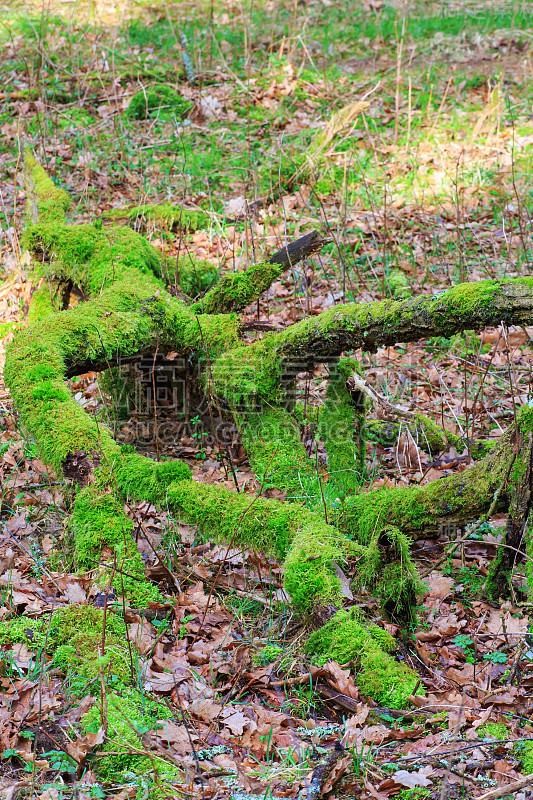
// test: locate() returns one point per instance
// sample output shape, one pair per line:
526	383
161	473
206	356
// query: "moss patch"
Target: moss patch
272	441
129	716
72	636
342	429
159	98
165	214
345	639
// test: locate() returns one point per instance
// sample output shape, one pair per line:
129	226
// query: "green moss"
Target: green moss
258	523
417	793
248	377
45	301
382	638
398	283
388	570
158	98
498	582
310	567
72	636
345	639
527	757
98	522
342	429
140	477
93	257
76	633
432	438
129	717
272	442
5	328
426	433
482	448
466	298
30	631
46	201
167	215
195	276
237	290
419	508
494	730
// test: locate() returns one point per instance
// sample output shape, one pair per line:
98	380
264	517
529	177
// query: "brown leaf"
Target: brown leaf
439	586
205	709
237	722
142	636
374	792
177	736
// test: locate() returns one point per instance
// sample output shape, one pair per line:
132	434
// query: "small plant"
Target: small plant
161	624
183	627
268	740
269	653
465	643
361	757
305	700
95	790
496	658
198	435
60	761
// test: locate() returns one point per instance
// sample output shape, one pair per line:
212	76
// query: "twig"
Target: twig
355	381
471	746
455	734
508	789
155	399
322	770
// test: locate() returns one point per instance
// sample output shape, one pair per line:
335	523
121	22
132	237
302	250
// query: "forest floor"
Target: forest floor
432	177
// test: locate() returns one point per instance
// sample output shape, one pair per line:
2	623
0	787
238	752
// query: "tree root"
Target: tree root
129	312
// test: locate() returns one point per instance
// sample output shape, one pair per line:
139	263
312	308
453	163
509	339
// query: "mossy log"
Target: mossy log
127	312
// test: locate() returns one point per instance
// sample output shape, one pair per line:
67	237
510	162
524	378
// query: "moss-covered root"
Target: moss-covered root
390	573
235	291
415	509
47	299
342	429
101	531
310	546
467	306
429	436
499	580
367	649
45	201
271	439
103	543
172	218
93	257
